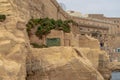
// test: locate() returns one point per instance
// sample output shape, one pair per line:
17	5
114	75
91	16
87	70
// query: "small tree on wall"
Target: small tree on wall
45	25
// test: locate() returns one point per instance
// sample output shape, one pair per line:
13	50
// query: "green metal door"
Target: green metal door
53	42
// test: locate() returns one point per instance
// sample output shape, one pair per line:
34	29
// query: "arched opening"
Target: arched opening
101	44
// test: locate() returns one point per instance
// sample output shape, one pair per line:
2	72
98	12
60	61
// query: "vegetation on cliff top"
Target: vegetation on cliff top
2	17
45	25
35	45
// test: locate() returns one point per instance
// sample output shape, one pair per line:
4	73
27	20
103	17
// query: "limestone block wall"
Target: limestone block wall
56	34
75	29
67	39
86	41
97	24
114	20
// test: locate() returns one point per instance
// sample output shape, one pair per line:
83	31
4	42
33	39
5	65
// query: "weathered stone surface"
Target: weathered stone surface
88	42
9	69
93	55
12	56
60	63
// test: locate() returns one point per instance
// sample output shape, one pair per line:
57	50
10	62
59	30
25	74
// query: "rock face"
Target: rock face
60	63
24	10
14	44
13	50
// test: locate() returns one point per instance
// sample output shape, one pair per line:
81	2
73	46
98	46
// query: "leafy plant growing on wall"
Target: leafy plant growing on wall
45	25
2	17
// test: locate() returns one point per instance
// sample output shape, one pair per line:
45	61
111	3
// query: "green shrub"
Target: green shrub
45	25
35	45
2	18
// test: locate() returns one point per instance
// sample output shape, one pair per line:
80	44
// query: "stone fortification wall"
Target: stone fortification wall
14	43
